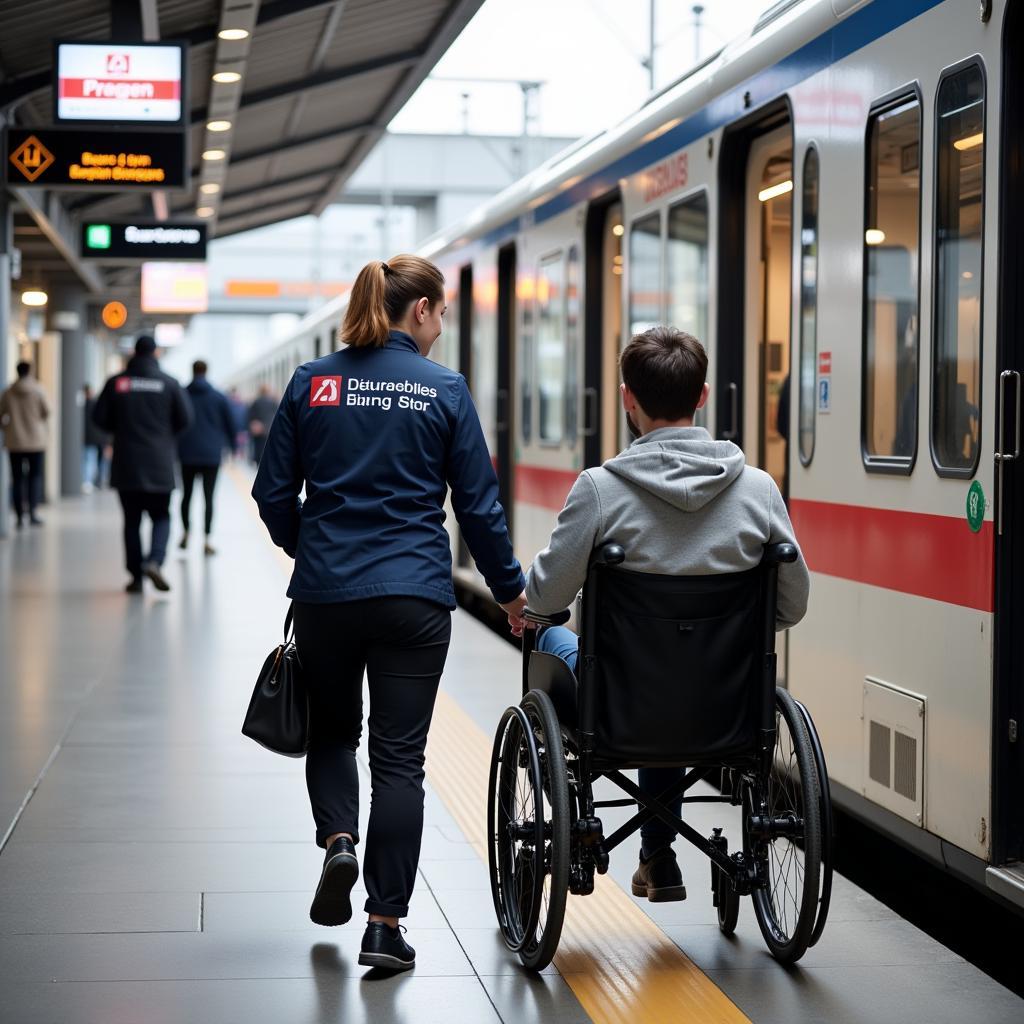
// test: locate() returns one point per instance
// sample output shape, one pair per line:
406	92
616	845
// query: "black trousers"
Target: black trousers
158	508
26	477
188	479
402	643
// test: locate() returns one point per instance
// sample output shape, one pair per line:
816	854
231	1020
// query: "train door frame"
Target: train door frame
465	356
594	283
506	375
1008	699
733	162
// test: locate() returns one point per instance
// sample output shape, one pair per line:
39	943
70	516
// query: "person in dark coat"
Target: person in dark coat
201	447
260	415
144	409
94	447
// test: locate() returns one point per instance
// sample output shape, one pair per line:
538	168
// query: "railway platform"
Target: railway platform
157	866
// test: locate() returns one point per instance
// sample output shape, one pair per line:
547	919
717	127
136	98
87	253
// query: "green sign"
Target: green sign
97	236
975	506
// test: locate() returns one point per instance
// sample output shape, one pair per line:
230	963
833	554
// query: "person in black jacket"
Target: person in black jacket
201	446
377	434
144	409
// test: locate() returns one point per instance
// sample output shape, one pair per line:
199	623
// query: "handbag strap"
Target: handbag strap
289	625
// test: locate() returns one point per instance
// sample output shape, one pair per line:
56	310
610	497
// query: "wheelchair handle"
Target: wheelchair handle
554	619
776	554
608	553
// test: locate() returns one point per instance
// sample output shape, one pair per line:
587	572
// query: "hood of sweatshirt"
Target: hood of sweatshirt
683	466
199	386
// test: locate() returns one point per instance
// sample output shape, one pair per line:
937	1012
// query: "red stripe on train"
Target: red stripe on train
537	485
912	552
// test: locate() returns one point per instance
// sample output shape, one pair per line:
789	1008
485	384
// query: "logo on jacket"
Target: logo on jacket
324	391
123	384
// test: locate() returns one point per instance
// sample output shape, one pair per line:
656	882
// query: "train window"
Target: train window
572	339
645	273
892	243
526	293
959	194
808	305
551	349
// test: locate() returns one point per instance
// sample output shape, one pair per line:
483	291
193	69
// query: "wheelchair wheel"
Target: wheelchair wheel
728	903
789	851
528	815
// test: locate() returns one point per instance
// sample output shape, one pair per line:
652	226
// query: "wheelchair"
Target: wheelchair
672	671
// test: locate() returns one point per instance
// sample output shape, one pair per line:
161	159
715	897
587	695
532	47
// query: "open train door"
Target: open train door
1008	695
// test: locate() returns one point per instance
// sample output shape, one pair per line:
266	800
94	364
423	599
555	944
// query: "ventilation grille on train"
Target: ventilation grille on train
894	739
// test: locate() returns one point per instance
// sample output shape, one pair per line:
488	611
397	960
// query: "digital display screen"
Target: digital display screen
174	288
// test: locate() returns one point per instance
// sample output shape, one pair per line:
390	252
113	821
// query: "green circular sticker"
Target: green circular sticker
975	506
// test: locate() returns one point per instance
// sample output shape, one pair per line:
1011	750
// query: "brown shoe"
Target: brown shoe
659	878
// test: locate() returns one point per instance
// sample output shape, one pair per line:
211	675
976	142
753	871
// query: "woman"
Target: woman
376	433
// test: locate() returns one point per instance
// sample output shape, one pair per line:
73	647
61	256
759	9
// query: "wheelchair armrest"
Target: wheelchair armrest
608	553
776	554
555	619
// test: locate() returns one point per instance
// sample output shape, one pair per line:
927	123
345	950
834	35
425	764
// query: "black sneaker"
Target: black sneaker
659	878
386	947
331	904
184	542
152	570
134	586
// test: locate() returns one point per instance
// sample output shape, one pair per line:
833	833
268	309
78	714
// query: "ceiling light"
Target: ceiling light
233	34
227	77
34	297
218	126
211	188
775	190
616	270
618	230
969	142
205	211
967	275
617	259
874	236
213	154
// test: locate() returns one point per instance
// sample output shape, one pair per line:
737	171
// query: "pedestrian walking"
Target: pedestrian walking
201	447
24	410
376	434
260	415
144	409
95	445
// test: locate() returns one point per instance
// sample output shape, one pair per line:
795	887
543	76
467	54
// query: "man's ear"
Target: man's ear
628	398
704	392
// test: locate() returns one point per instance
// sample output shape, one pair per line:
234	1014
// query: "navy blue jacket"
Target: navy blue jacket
376	436
212	429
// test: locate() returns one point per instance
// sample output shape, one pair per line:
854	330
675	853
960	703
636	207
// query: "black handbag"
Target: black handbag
278	715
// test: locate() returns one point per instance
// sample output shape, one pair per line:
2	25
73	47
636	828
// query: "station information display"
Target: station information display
117	82
95	158
174	288
143	240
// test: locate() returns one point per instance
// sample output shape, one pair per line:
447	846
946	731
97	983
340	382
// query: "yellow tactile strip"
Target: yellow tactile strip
620	965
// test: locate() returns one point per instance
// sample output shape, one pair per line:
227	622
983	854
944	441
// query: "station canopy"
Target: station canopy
319	83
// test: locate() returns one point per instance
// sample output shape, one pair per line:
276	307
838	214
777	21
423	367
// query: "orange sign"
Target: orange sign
114	315
31	158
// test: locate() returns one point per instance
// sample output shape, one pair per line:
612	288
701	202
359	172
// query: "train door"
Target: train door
601	414
465	364
1008	704
503	398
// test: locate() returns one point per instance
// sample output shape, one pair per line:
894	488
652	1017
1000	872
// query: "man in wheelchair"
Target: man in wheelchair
679	503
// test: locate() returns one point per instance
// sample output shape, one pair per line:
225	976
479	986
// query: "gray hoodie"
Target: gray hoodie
679	503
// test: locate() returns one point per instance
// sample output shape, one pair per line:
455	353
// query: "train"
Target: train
833	204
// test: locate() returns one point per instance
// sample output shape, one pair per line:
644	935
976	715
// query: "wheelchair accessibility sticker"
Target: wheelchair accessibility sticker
975	506
825	394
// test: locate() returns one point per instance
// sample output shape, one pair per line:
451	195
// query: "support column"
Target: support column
6	244
67	309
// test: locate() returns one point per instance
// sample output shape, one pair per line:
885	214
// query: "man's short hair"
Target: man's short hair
145	345
199	368
22	368
665	368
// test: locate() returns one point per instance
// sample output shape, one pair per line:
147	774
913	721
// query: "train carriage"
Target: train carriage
832	203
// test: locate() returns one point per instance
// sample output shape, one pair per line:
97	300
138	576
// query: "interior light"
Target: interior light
227	77
233	34
618	230
213	154
218	126
205	211
969	142
211	188
874	236
775	190
34	297
616	269
616	259
967	275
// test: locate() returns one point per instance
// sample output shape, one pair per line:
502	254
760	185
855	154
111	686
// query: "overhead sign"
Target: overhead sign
95	158
174	288
143	240
114	82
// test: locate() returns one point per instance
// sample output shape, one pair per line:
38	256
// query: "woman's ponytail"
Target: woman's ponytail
382	294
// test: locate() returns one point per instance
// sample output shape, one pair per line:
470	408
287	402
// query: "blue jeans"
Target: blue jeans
655	835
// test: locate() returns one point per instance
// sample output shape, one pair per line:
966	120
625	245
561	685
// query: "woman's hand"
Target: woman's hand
514	610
